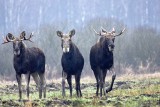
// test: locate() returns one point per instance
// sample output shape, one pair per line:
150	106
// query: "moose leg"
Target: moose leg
78	88
69	80
37	80
64	75
97	86
101	82
97	80
19	80
79	85
28	81
104	76
42	84
111	86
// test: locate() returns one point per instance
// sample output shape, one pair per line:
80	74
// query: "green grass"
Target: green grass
137	93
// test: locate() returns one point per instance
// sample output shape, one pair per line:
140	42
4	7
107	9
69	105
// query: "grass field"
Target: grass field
129	91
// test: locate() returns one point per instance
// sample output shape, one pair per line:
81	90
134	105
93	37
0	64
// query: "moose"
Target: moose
101	58
28	61
72	62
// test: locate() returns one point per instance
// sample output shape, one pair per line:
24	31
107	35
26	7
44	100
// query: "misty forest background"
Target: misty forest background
136	51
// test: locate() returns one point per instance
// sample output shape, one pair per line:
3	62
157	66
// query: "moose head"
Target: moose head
18	45
107	38
66	40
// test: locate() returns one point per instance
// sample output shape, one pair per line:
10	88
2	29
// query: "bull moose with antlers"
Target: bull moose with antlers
101	58
28	61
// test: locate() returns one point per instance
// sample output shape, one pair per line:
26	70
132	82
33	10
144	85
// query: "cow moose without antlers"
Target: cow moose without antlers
101	58
28	61
72	62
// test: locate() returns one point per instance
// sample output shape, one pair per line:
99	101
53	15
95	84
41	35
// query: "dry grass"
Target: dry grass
125	77
139	76
88	79
130	90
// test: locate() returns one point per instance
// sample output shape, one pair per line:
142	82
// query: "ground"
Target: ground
128	91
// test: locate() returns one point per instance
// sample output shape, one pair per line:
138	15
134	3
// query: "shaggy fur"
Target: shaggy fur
31	61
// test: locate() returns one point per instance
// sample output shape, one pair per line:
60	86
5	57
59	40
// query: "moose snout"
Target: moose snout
16	52
66	49
111	47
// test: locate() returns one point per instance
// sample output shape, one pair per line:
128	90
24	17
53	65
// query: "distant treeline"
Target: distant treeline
137	50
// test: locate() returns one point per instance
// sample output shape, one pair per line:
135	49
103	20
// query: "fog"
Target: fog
136	51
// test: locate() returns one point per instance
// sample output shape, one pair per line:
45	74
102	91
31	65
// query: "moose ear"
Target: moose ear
22	35
59	33
72	32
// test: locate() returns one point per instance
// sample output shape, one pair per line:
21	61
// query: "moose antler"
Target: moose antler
4	40
29	39
113	30
9	38
96	32
103	30
120	32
